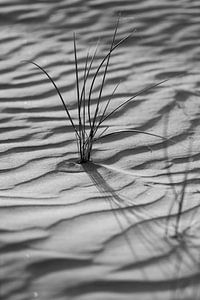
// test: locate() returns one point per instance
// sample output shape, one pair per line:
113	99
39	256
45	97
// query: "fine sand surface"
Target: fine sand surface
103	230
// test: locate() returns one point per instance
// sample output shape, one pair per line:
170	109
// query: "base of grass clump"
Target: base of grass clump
88	129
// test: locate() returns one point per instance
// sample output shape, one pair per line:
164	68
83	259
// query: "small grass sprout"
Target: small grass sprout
89	126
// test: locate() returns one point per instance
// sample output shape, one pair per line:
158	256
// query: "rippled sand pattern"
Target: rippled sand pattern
103	230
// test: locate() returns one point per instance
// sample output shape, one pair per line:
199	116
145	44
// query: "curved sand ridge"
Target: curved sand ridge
101	230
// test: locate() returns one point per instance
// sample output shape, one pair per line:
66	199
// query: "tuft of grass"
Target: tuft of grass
89	129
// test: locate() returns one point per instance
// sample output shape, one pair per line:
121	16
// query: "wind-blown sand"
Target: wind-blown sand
102	230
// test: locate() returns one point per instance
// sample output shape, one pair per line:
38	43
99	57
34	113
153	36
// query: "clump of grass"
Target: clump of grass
89	129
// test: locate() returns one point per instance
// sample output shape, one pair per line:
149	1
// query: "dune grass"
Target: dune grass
91	113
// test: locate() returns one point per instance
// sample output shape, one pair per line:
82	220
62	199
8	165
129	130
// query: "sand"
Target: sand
105	229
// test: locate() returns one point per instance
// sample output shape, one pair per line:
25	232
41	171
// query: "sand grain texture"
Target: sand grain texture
98	231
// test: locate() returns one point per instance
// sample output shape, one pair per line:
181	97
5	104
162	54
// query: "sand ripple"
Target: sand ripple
98	231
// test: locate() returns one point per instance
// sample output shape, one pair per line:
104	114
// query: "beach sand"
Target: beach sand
106	229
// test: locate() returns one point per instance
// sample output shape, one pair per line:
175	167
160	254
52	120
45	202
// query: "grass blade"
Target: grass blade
88	72
106	107
133	130
58	92
131	98
104	74
83	98
97	72
78	95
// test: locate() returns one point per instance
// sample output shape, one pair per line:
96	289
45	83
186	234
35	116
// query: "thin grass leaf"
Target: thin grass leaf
78	94
76	70
132	130
97	72
104	74
88	71
58	92
131	98
103	132
83	98
106	107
